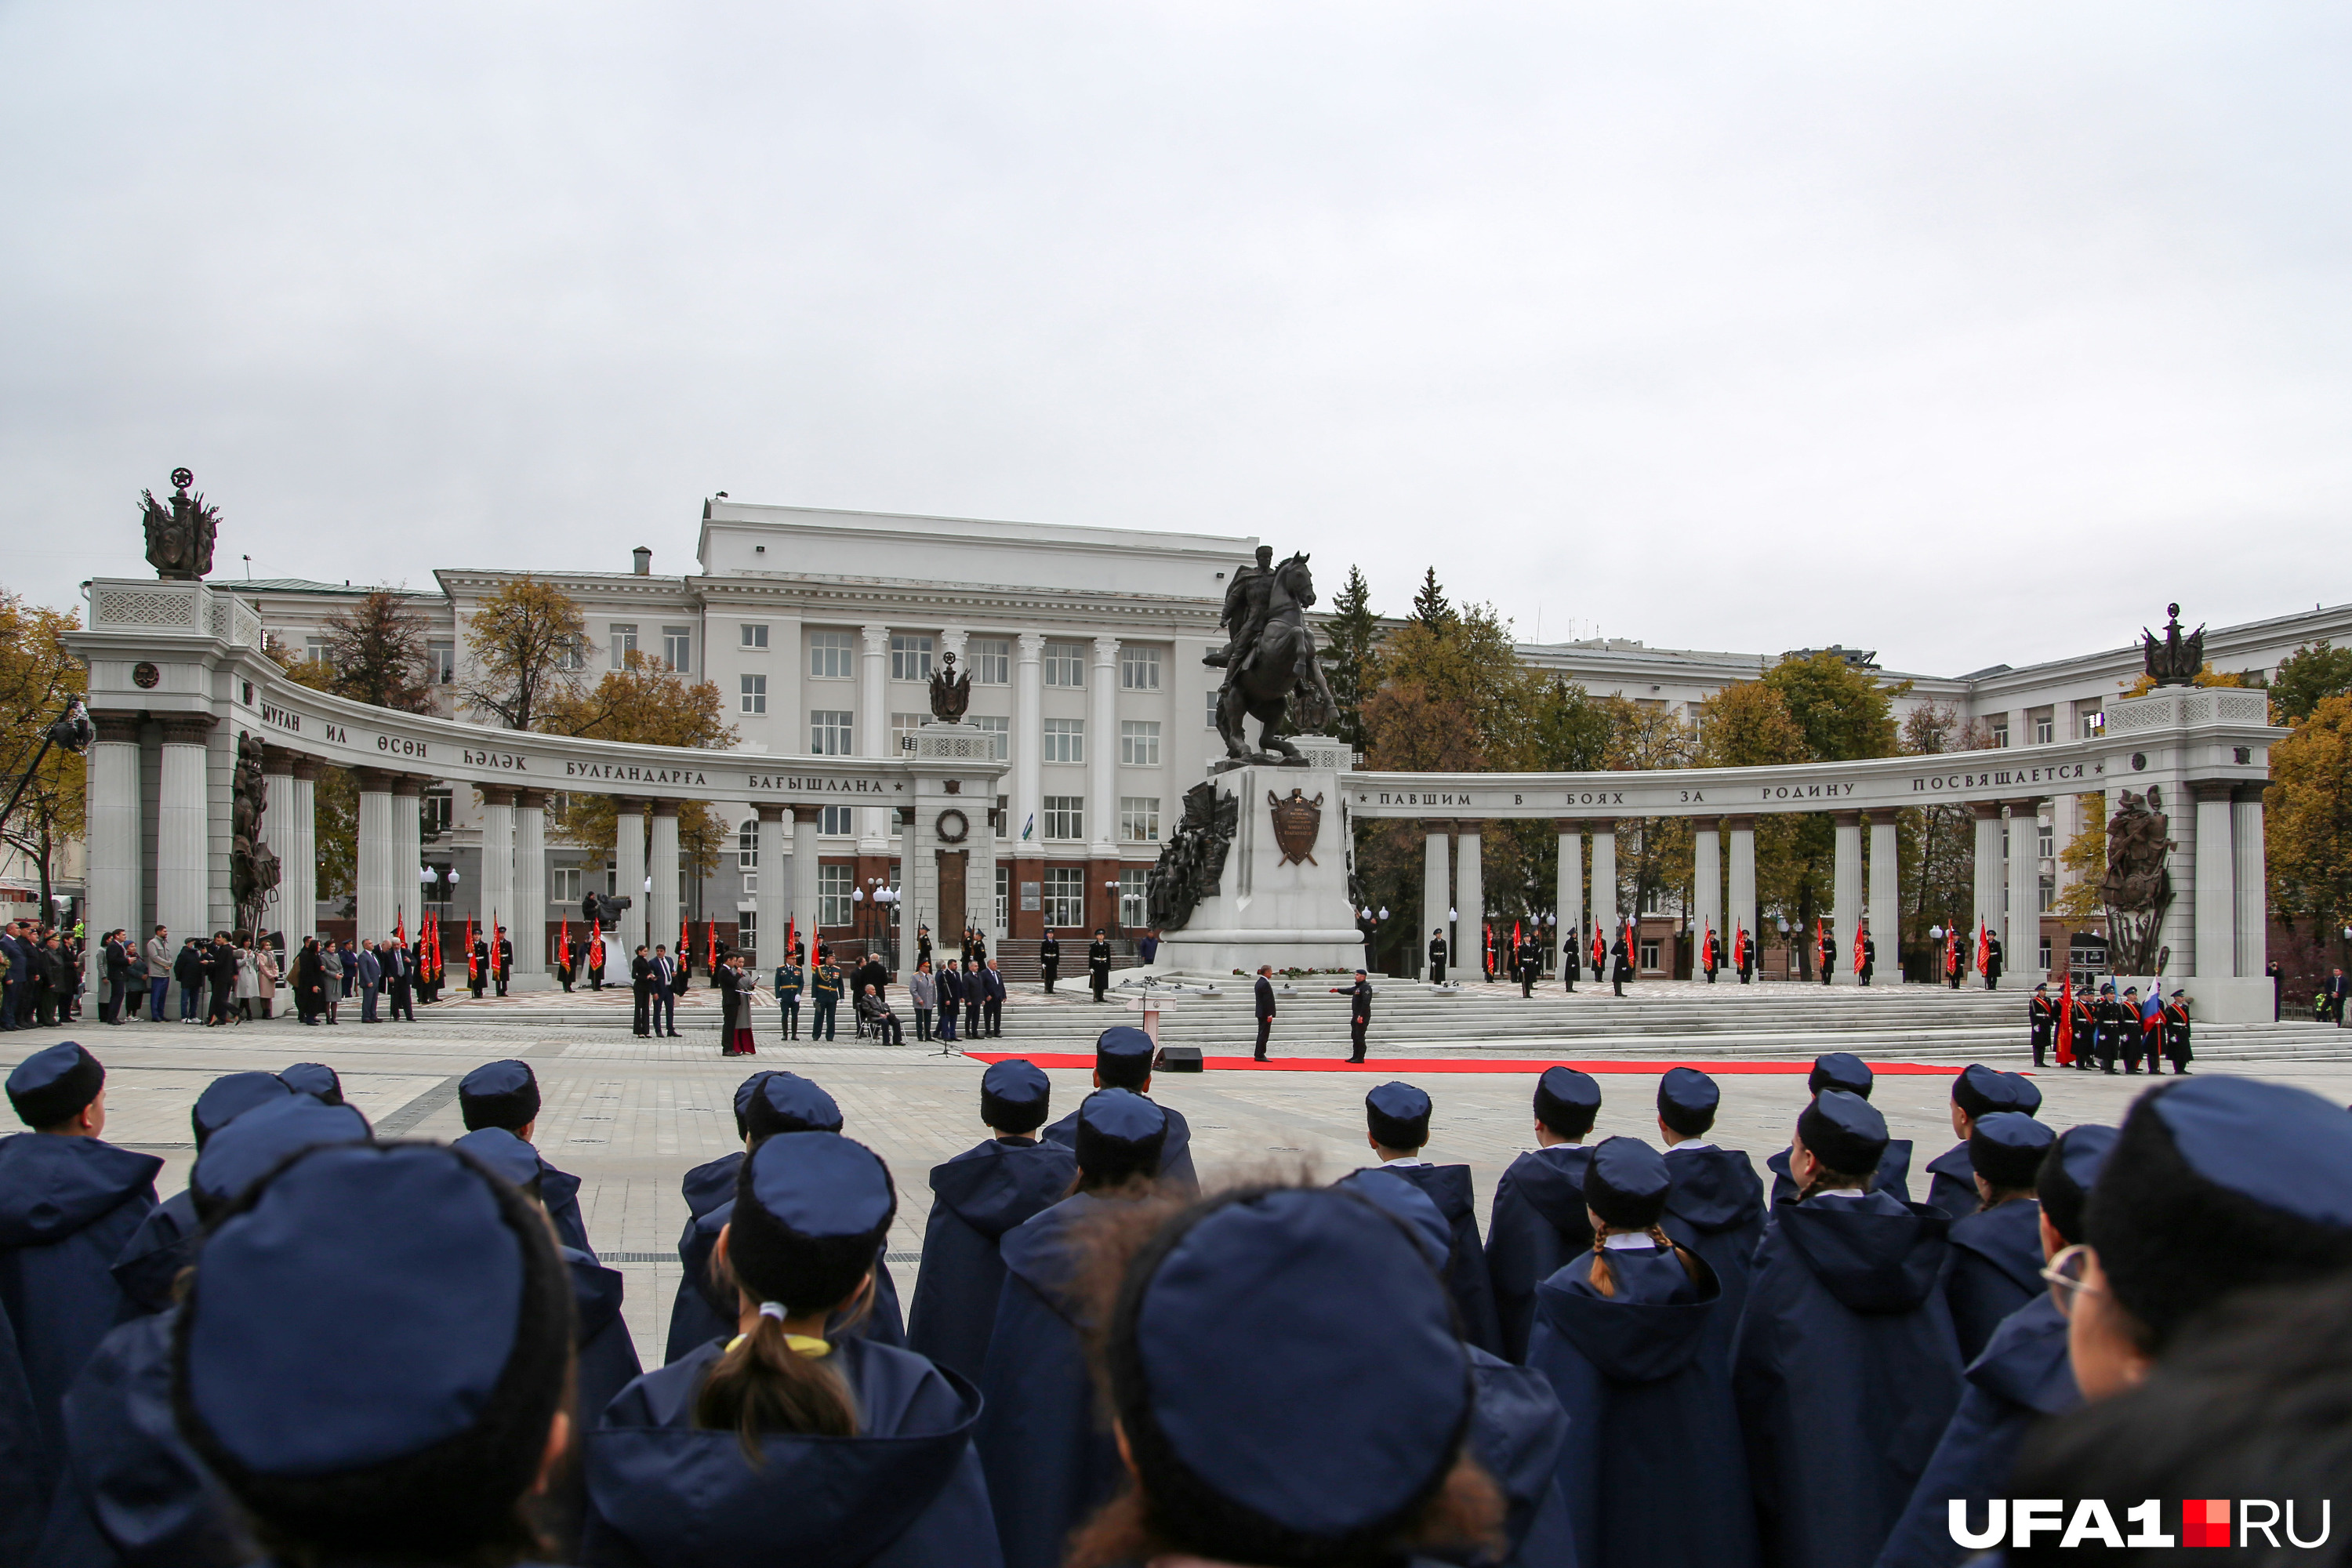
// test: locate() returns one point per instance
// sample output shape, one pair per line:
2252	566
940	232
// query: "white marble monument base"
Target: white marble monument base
1294	914
2223	1000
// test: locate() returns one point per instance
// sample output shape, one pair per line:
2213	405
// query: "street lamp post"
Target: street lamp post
1110	891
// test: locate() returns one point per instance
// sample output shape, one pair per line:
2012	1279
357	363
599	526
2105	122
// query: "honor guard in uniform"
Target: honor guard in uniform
505	957
479	976
1743	955
2041	1019
1438	952
563	962
1360	1015
2176	1035
1571	959
1828	953
1710	955
1621	967
1098	964
788	995
2085	1026
1992	963
1869	956
1530	966
1599	956
1049	960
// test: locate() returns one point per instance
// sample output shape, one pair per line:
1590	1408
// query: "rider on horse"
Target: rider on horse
1244	613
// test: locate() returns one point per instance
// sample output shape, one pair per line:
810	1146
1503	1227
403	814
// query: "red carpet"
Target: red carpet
1463	1064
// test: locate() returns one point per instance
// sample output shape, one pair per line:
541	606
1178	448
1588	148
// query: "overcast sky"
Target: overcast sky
1971	333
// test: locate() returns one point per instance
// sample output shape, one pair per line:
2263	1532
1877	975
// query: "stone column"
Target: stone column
1886	898
1985	883
298	886
407	849
1469	900
375	852
2213	885
2021	940
872	729
803	911
629	877
528	930
183	826
277	812
1028	744
1706	877
661	864
497	861
903	913
1845	884
770	899
1740	913
1568	885
1102	754
2250	878
1436	898
110	776
1605	881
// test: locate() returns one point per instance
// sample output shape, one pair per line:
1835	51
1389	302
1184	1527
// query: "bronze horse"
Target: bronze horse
1277	678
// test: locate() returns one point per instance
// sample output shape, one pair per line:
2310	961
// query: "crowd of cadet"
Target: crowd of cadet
331	1349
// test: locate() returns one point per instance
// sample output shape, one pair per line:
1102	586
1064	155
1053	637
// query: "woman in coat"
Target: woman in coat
248	979
265	969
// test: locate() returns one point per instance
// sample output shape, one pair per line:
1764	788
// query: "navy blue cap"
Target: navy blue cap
1234	1378
1015	1095
2007	1146
230	1096
787	1102
2024	1094
1982	1091
2069	1169
360	1310
743	1093
1625	1184
1840	1069
2285	1148
1688	1099
1402	1199
1397	1114
499	1094
316	1079
1844	1131
504	1155
821	1184
1120	1133
1123	1056
1566	1102
250	1147
54	1084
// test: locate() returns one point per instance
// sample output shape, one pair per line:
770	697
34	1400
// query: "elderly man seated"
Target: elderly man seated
876	1015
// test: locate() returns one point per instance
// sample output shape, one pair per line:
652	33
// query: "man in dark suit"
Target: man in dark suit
991	1001
118	975
2339	991
1049	960
17	982
950	993
1360	1015
1530	963
662	993
1437	951
975	992
505	957
1621	969
1098	964
641	974
397	967
1264	989
1571	959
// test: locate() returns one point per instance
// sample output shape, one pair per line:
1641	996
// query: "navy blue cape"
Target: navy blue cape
905	1492
977	1197
1448	1187
1175	1155
1953	1186
608	1355
558	1193
67	1206
2023	1376
1538	1224
164	1244
1716	1208
1845	1372
1516	1431
1652	1471
1996	1269
22	1501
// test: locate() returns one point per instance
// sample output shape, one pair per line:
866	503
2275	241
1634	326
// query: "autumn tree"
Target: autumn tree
1653	853
38	677
1350	656
1846	715
2307	825
2083	864
1746	725
2308	677
376	653
1938	842
528	643
644	703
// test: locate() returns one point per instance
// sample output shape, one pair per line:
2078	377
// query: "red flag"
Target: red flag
1952	951
1739	945
684	945
1600	949
1821	941
471	966
2066	1022
595	942
1707	949
791	926
563	942
1984	947
710	946
1857	948
400	929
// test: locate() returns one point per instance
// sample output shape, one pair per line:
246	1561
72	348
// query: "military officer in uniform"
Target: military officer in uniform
788	995
1621	969
1049	960
1869	954
478	973
1098	964
1993	964
1570	960
1829	956
505	960
2041	1013
1530	961
1360	1013
1437	953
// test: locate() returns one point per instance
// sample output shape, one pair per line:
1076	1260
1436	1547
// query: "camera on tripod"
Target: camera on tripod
604	907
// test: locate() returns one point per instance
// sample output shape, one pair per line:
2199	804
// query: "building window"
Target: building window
435	812
992	661
1138	818
2049	897
623	636
1212	720
1066	664
315	649
902	730
829	733
1138	742
1003	897
1065	817
1139	668
755	694
836	821
833	887
2094	725
1130	894
747	846
829	656
2044	732
747	932
1649	955
2001	737
563	885
441	659
755	634
1065	895
677	647
911	658
574	655
999	730
2045	843
1066	741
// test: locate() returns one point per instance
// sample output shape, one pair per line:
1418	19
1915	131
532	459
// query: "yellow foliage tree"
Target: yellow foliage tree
39	676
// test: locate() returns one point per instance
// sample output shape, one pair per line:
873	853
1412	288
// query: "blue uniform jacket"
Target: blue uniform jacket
1652	1471
1516	1432
1538	1224
1175	1155
1996	1269
558	1193
150	1261
2023	1376
1845	1372
978	1196
22	1501
1953	1184
1716	1208
905	1492
608	1355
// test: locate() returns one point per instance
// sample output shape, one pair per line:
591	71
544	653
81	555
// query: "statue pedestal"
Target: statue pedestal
1268	909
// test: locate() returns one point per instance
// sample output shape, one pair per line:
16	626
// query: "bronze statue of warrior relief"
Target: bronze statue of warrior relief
252	865
1271	672
2137	888
2176	661
180	538
950	692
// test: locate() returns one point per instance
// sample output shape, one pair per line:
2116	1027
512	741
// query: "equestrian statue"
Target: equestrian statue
1271	672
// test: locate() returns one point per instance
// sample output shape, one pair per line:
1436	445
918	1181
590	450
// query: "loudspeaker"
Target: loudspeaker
1177	1058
